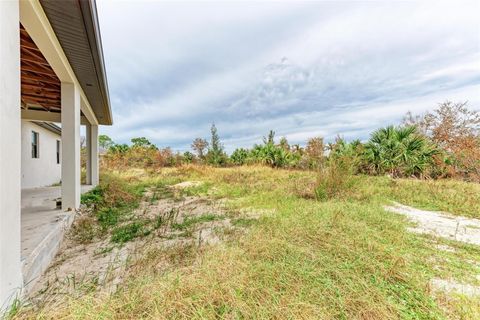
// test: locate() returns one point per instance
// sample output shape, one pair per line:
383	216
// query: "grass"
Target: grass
112	205
452	196
189	222
339	258
128	232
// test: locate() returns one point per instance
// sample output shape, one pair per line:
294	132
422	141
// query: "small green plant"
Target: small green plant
128	232
159	221
108	217
93	198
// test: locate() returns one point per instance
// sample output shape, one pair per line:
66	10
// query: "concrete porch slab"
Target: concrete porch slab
43	228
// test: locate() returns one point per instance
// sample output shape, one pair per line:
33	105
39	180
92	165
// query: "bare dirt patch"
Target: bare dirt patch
100	266
452	286
445	226
441	224
187	184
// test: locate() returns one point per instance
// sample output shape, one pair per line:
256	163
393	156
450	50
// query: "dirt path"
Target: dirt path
449	227
441	224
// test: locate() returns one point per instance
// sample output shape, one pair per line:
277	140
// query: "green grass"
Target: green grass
243	222
129	232
112	206
341	258
189	222
456	197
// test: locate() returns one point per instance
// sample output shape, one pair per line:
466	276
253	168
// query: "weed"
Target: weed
109	204
104	250
93	198
201	189
188	222
107	217
243	222
128	232
334	181
84	230
345	258
158	222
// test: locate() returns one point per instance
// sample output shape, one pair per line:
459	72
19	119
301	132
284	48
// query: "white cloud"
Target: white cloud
350	67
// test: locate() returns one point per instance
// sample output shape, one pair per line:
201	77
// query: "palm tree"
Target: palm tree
399	151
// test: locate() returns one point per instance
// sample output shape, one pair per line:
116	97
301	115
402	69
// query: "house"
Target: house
52	76
41	148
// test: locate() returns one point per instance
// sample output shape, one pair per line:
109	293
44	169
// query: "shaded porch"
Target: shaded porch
46	78
43	225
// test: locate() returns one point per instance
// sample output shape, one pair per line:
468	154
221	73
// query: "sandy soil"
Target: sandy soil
441	224
452	286
101	265
448	226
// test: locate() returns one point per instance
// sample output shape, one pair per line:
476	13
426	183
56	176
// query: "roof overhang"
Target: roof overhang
67	33
49	126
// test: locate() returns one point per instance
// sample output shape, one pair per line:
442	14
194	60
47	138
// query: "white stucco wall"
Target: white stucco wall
43	171
10	265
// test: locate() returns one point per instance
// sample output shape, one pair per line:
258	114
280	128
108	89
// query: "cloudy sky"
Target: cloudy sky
301	69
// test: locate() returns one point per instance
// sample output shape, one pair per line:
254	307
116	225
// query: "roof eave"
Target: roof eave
90	16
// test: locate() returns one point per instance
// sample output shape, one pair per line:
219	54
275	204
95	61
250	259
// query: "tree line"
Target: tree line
441	143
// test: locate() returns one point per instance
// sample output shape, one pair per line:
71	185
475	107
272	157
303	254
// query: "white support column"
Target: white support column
94	155
70	101
88	149
11	281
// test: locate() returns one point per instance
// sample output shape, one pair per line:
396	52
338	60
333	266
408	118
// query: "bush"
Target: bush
335	180
456	130
239	156
188	157
314	153
400	152
271	155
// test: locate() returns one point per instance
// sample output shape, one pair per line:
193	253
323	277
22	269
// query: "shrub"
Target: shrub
335	179
399	151
271	155
314	153
188	157
239	156
455	129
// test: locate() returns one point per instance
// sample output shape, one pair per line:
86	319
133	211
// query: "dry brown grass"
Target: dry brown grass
343	258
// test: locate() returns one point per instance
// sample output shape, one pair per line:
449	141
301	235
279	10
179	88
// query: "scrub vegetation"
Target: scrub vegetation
344	257
295	232
444	143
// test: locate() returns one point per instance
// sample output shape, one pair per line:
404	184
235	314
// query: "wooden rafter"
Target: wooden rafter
40	85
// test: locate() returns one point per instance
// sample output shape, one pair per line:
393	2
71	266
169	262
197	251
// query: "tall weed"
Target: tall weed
335	180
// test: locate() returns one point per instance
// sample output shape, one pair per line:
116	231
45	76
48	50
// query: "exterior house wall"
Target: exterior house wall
42	171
